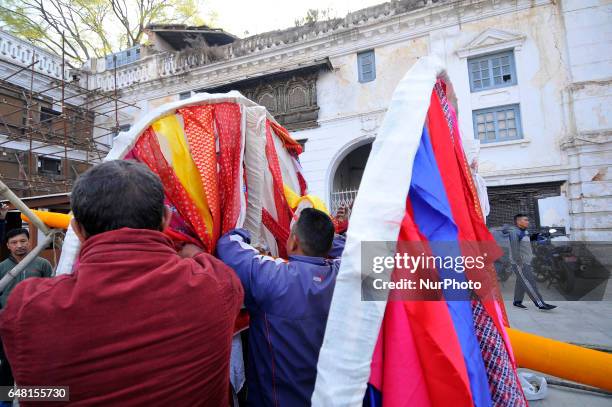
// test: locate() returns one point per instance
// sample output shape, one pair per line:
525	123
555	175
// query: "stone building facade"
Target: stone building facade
532	79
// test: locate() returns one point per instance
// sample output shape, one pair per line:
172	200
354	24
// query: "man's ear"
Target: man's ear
78	230
166	218
293	243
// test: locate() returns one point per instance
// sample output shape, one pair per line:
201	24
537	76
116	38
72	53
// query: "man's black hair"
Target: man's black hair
315	232
518	216
118	194
16	232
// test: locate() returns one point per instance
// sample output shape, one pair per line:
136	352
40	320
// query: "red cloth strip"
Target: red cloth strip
148	151
289	143
283	212
227	121
280	233
198	125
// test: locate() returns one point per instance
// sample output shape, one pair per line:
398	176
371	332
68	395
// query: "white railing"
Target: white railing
22	53
171	63
341	198
126	76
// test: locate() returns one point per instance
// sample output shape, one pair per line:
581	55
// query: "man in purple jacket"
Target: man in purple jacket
288	302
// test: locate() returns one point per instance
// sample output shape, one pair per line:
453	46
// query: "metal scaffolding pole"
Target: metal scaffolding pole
69	135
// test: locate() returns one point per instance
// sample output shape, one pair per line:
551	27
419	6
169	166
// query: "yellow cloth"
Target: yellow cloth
291	197
307	201
173	143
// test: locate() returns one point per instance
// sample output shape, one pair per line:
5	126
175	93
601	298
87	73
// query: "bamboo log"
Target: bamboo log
51	219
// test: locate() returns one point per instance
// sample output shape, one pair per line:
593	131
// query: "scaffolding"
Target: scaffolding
70	133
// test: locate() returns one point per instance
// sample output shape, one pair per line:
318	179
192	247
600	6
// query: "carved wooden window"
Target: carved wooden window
268	100
298	97
290	97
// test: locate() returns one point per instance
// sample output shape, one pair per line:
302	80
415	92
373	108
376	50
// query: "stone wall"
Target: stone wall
588	33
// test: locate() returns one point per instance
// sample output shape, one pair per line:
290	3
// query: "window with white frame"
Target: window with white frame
500	123
366	65
123	57
492	71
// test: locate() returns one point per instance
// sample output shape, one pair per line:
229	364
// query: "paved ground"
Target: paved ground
584	322
563	397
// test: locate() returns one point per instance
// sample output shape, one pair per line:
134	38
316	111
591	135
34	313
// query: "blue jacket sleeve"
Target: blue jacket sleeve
337	247
260	275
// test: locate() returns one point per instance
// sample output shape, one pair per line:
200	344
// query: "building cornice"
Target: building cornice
172	73
527	175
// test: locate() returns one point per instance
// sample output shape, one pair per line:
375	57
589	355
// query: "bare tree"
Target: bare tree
92	28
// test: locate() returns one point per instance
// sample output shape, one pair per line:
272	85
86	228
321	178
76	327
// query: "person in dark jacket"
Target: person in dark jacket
18	243
288	303
521	255
3	212
136	323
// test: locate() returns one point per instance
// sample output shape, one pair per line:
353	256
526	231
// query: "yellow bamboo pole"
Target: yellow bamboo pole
560	359
51	219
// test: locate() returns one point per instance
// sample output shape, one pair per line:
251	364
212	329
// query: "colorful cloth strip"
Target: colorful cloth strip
280	233
147	150
227	121
198	125
289	143
459	181
503	382
435	220
283	212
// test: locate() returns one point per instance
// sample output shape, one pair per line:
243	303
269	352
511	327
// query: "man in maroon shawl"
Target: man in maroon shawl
136	323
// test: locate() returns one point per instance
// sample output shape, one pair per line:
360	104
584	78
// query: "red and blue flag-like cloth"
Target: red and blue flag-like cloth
451	351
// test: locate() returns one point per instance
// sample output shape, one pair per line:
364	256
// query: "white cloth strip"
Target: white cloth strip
352	327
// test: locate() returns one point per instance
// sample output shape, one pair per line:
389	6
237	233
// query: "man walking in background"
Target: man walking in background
521	257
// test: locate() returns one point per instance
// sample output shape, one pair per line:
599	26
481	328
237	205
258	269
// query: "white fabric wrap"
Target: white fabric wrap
255	163
352	327
124	142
